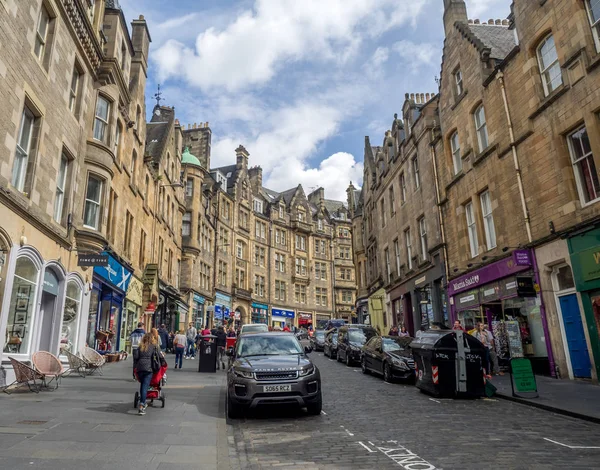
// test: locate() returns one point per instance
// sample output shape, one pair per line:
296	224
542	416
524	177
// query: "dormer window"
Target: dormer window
301	215
320	224
258	206
281	212
342	216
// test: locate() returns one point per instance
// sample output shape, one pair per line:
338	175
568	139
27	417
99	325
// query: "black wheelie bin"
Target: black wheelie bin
449	363
208	354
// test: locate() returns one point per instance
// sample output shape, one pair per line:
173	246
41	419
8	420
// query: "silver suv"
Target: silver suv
269	369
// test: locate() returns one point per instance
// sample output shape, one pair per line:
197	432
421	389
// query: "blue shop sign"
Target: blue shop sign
199	299
115	273
221	312
279	312
260	306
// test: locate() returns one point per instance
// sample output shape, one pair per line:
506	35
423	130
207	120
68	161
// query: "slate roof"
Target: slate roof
333	206
499	39
226	170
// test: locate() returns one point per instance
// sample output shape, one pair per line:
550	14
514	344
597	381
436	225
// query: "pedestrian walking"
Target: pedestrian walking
482	336
457	325
231	333
221	344
135	338
191	334
156	337
179	343
205	331
493	353
403	332
164	337
146	361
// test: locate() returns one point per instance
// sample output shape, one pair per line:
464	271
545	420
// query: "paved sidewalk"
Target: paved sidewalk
91	423
574	398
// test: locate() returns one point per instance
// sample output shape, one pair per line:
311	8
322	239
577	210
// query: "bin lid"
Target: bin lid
208	336
444	339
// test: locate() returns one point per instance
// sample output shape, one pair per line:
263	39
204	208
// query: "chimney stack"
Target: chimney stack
454	10
241	157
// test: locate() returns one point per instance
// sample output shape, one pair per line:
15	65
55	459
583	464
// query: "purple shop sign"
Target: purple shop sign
519	261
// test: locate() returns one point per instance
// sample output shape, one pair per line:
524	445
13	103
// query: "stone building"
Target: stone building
518	174
402	270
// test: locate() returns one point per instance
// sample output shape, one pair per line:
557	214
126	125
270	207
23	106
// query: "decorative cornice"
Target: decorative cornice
83	31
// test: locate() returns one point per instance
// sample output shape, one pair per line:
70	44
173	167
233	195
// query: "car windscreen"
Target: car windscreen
255	328
271	345
358	336
320	335
395	344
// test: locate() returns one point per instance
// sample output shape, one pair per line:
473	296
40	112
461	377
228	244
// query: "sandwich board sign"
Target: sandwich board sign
522	378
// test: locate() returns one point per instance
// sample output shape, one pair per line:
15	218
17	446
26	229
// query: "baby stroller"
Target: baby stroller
159	379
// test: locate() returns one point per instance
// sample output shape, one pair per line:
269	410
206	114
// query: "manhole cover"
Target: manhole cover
31	422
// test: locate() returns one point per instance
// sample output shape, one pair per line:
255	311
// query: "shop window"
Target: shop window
68	338
584	166
22	307
549	65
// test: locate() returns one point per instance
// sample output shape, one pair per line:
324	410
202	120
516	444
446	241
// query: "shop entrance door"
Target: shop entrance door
47	314
577	345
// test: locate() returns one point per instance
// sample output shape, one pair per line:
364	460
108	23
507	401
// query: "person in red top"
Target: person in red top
457	325
286	328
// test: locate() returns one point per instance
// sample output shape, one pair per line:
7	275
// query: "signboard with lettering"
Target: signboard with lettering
280	312
522	378
525	287
589	263
92	259
115	273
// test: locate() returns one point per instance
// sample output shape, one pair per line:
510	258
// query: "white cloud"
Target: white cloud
415	55
491	8
250	50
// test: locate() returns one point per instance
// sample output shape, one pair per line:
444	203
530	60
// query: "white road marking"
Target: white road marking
370	450
348	432
433	399
571	447
323	413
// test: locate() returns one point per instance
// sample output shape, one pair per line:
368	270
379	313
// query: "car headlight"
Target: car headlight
244	373
400	364
308	371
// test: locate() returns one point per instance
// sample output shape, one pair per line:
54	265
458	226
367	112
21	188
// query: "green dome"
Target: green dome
188	159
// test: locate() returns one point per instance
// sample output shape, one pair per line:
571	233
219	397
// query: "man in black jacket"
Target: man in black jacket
164	337
221	343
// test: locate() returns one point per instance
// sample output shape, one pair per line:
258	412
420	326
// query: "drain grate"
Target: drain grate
27	421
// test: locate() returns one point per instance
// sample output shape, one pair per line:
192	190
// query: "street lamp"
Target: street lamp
158	188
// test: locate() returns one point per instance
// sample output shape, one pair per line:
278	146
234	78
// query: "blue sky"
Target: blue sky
298	82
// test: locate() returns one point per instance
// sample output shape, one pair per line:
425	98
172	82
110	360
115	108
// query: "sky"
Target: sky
299	83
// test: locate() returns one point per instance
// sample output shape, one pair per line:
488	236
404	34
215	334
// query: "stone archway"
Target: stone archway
241	315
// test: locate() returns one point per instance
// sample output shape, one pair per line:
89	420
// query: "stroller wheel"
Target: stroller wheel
136	399
163	399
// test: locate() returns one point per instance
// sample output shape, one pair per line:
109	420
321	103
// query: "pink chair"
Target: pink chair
49	366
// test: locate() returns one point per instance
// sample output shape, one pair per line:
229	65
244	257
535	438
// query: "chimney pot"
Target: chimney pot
405	96
422	98
470	21
427	96
476	21
491	21
498	22
142	18
412	96
504	22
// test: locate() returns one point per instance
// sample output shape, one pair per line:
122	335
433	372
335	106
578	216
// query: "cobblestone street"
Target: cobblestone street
399	427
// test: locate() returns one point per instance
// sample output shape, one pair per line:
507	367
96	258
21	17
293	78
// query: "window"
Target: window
71	317
93	197
347	296
170	264
239	249
123	56
127	236
488	220
392	201
223	239
402	188
423	234
279	262
101	119
134	167
61	180
43	35
280	290
172	219
593	9
382	211
323	248
244	219
147	188
161	250
300	293
321	271
186	224
455	147
259	285
388	265
301	215
142	254
415	165
112	215
189	187
549	66
118	140
458	79
261	230
138	121
408	249
481	128
24	149
321	296
300	243
301	266
283	237
344	252
320	225
222	273
226	209
74	90
259	256
281	212
472	229
258	206
584	167
397	253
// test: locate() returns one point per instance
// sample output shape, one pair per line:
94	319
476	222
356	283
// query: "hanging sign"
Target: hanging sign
92	259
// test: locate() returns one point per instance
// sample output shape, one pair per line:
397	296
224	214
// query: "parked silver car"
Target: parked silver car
271	369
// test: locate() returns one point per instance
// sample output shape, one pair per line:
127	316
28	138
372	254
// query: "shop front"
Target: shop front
183	317
584	250
132	313
260	313
281	317
222	309
109	286
305	320
505	296
377	317
362	310
198	311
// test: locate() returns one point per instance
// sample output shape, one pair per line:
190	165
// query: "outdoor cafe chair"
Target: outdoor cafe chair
50	367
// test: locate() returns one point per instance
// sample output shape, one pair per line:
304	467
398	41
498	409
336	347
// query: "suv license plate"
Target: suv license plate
277	388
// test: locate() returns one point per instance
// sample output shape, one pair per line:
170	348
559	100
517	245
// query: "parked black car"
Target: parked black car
389	356
351	339
317	340
330	346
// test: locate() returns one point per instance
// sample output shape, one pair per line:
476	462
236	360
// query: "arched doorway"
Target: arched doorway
240	316
50	305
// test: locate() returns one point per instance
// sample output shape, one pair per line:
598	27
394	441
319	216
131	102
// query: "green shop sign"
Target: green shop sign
522	378
589	263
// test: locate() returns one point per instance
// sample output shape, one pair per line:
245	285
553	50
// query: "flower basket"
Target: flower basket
112	357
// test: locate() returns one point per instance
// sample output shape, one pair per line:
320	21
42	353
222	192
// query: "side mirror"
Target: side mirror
307	349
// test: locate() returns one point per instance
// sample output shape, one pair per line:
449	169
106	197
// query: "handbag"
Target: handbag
155	361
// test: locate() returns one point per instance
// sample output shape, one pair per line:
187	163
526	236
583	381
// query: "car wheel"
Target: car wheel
234	411
363	366
387	373
315	407
348	360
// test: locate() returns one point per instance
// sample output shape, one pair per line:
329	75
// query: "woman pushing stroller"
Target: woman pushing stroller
147	360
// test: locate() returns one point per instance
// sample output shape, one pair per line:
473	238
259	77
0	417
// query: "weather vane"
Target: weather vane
158	96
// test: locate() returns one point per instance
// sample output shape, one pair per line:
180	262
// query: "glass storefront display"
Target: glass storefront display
70	322
90	336
22	307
